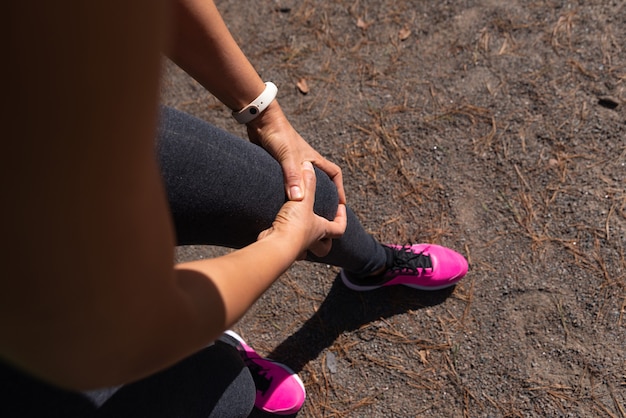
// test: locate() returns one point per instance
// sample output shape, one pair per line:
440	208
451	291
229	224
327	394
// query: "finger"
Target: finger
337	226
334	173
292	175
334	229
310	181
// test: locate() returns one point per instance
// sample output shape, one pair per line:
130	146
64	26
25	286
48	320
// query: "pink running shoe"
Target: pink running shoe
278	389
421	266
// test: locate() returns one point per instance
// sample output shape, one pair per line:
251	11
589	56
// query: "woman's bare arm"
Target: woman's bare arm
203	46
90	296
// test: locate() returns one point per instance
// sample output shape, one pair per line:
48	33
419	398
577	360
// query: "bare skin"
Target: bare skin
91	295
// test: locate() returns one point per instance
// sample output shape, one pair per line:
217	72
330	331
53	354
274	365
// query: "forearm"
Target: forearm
238	279
202	45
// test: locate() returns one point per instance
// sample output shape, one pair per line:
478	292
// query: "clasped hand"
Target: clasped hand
297	220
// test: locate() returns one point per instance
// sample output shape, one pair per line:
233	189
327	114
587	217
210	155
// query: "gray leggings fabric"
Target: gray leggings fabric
213	383
222	190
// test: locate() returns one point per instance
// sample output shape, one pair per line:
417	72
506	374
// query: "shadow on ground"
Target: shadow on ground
346	310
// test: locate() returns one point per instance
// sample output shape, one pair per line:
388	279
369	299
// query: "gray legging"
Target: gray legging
222	190
211	383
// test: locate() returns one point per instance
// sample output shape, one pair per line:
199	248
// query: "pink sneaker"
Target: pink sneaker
278	389
421	266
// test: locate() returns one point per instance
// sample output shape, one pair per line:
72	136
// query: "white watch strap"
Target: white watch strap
258	105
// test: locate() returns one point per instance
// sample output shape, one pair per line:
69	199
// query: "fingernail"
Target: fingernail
307	165
295	192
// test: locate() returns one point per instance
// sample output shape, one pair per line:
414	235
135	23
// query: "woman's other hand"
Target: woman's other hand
297	221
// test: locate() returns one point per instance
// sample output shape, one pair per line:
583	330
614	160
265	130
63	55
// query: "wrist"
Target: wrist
256	107
272	119
285	242
294	236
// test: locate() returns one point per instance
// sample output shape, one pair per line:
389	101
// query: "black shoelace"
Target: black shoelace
405	260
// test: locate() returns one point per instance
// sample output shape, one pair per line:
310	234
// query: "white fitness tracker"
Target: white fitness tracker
258	105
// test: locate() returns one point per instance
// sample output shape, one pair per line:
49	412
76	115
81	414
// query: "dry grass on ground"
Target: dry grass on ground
493	127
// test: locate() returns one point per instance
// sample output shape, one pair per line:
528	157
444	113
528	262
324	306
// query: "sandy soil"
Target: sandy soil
493	127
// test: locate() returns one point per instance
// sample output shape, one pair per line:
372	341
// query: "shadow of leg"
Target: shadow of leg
347	310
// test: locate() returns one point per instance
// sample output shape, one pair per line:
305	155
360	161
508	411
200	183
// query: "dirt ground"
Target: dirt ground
497	128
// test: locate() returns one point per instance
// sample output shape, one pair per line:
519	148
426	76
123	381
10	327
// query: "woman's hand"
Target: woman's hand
297	221
272	131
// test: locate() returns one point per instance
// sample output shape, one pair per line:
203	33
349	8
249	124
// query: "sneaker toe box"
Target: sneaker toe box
448	265
286	394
